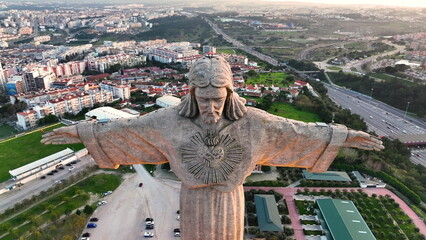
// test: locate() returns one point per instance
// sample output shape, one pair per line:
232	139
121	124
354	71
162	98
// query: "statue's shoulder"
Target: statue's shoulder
162	113
253	113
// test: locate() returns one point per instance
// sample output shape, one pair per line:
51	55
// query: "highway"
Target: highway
381	118
241	46
37	185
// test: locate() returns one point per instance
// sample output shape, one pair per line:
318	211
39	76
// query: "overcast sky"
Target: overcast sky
405	3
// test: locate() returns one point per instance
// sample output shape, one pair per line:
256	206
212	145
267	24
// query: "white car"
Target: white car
71	168
107	193
85	238
148	234
102	203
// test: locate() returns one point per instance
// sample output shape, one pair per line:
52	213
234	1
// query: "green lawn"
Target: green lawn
68	200
269	79
227	51
6	131
388	77
25	149
289	111
305	207
335	68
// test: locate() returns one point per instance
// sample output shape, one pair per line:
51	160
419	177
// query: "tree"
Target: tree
252	73
266	168
48	119
88	209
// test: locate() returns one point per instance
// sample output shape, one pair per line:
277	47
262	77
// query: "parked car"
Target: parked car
61	168
71	168
50	173
94	219
148	234
85	238
149	221
177	232
86	234
102	203
107	193
43	177
55	171
91	225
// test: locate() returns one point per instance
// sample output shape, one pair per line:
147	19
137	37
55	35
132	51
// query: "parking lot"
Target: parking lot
123	217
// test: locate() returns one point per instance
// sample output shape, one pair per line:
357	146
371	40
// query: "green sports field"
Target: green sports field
25	149
269	79
289	111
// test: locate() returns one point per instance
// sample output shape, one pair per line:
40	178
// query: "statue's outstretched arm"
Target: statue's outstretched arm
312	146
114	143
362	140
63	135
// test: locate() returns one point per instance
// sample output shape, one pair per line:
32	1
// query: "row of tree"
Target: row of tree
394	92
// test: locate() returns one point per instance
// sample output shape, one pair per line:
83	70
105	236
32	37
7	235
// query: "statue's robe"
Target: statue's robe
212	170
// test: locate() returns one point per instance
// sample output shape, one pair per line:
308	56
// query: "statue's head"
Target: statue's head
211	92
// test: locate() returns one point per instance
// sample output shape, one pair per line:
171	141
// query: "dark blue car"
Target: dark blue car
91	225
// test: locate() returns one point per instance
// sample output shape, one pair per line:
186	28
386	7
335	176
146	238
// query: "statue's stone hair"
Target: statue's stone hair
215	72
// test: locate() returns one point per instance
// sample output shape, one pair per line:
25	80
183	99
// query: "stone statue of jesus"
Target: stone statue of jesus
212	142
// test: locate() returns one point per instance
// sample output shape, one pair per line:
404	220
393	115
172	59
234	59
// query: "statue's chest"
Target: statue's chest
211	157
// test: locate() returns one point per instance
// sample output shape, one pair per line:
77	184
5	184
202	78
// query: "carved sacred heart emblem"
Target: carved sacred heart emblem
214	156
211	157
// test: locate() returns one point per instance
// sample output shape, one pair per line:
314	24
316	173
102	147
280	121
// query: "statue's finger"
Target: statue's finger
58	141
48	134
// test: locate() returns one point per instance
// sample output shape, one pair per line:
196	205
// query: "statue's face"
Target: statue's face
211	101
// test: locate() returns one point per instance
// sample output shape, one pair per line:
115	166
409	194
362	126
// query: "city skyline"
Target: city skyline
408	3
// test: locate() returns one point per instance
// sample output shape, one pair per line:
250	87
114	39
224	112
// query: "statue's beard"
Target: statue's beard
210	118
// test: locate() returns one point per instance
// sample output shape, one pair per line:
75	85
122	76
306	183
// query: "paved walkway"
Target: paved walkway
288	193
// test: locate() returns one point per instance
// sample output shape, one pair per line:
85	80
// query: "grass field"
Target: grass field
227	51
289	111
335	68
269	79
6	131
25	149
66	201
388	77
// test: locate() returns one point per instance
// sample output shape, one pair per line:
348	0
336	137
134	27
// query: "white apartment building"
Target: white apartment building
27	119
118	91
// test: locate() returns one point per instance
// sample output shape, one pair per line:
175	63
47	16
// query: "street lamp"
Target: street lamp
371	94
406	109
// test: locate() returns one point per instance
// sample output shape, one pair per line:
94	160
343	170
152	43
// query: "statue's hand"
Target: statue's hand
63	135
362	140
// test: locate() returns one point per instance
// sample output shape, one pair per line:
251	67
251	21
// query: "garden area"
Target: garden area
280	79
251	219
381	213
26	149
61	215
